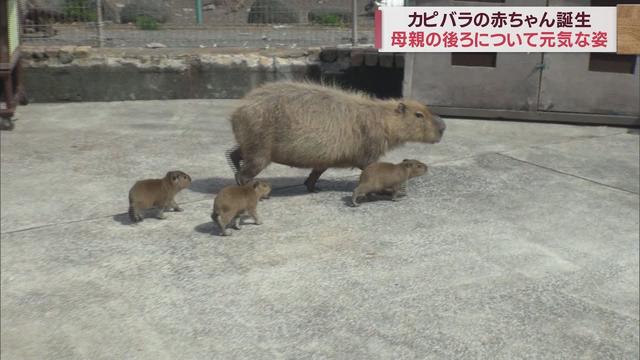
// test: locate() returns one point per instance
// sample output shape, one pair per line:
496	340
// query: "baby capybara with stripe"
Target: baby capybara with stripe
381	176
308	125
157	192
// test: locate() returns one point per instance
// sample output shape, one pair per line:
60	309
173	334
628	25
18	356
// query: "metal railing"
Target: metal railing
198	23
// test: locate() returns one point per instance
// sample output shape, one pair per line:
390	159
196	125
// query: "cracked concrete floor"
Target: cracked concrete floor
521	242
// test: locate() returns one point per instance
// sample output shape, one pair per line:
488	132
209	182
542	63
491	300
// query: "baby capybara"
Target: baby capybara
313	126
159	193
232	201
382	176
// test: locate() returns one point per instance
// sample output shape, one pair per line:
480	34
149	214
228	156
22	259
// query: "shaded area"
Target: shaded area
381	82
282	186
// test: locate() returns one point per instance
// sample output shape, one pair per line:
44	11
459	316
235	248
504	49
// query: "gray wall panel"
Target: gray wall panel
511	85
568	85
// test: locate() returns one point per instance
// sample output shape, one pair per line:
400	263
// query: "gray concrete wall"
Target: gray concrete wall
87	74
68	73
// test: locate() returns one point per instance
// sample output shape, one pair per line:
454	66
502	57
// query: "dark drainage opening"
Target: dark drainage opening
377	81
605	62
474	59
612	2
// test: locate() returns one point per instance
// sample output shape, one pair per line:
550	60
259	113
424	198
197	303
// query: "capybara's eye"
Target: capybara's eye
419	115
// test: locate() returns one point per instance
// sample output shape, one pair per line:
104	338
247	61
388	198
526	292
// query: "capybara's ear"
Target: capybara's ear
405	160
401	108
256	184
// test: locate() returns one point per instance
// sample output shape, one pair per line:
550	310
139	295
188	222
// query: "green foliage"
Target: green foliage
144	22
155	9
79	10
328	19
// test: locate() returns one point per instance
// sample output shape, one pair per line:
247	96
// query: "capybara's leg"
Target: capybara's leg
251	168
395	191
134	214
403	189
236	222
222	220
175	206
357	192
254	214
313	179
235	157
160	213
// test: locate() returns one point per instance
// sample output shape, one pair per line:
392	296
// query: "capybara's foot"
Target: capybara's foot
178	209
354	200
311	186
256	219
242	179
134	215
312	179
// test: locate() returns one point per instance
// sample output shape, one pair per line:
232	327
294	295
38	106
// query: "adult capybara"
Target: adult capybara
308	125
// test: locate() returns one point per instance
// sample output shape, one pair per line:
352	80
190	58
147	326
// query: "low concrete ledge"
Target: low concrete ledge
81	73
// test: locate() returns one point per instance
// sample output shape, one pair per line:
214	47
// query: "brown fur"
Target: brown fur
383	176
158	193
233	201
312	126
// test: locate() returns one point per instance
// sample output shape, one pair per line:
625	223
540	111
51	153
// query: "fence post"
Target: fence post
199	12
99	22
354	23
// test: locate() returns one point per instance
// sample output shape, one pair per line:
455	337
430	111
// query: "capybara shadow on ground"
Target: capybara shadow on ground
282	186
211	228
371	198
123	218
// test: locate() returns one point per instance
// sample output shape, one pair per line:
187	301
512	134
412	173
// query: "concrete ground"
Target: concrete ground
521	242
